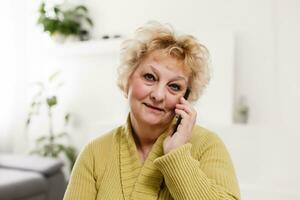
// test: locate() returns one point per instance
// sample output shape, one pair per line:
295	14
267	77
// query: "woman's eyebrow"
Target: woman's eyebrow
177	78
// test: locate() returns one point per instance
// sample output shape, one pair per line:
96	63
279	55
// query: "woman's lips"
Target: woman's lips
153	107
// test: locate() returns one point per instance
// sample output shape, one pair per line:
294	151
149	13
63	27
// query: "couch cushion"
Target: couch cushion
20	184
46	166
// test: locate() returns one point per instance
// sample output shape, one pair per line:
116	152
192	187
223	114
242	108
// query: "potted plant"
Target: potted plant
52	144
64	21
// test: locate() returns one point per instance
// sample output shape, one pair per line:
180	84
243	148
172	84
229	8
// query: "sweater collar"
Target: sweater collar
137	178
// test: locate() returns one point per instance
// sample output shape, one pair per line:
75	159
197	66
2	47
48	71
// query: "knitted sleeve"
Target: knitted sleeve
210	176
82	183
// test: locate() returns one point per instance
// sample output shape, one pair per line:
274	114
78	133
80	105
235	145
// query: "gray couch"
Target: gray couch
25	177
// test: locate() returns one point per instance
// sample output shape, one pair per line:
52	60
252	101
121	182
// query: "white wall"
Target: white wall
288	63
13	70
287	34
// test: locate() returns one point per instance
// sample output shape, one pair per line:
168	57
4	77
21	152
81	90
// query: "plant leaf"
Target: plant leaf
42	8
56	10
71	154
28	121
89	21
67	119
54	76
81	8
52	101
40	139
60	135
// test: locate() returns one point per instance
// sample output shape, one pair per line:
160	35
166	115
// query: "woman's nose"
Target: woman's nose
157	94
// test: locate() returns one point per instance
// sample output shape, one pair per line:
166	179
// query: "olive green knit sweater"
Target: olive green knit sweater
109	168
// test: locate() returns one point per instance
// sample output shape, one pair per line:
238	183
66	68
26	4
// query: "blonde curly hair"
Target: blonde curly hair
155	36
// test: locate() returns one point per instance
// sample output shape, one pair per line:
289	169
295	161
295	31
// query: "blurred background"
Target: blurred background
58	79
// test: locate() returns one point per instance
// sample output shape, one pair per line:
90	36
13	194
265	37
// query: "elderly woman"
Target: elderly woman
148	157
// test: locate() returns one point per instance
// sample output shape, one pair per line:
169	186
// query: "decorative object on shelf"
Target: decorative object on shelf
107	36
65	22
242	111
53	144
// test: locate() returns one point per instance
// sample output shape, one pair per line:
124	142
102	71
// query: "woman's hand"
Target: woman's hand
184	130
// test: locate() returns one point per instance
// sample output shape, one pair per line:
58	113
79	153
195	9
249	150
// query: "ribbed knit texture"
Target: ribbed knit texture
109	168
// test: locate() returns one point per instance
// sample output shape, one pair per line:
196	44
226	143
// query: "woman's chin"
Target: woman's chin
155	120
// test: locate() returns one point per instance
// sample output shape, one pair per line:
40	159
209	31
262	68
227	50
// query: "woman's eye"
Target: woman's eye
149	77
175	87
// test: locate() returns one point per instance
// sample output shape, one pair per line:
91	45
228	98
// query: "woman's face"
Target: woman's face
155	88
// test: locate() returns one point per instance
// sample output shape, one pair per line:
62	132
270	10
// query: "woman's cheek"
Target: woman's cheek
140	90
172	101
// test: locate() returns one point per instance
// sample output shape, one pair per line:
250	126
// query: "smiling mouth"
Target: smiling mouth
153	107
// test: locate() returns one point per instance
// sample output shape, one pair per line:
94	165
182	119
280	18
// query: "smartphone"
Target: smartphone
186	96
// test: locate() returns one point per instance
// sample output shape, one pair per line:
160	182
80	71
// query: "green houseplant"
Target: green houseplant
52	144
65	21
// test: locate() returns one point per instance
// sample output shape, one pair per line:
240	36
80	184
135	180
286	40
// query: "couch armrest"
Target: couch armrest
43	165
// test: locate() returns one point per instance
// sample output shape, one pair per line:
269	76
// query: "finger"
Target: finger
186	108
183	100
182	113
186	117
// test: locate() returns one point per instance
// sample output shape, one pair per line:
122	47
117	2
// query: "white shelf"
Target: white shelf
85	48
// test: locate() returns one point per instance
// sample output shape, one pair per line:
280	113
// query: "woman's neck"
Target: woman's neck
145	135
